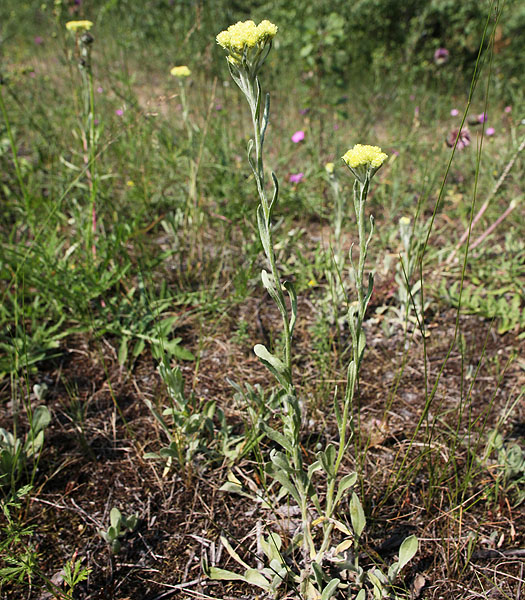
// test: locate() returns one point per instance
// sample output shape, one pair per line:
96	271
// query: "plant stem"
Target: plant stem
255	107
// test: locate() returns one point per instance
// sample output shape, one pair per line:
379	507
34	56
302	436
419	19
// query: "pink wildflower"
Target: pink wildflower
441	55
298	136
119	112
490	131
463	138
454	112
507	109
296	177
482	117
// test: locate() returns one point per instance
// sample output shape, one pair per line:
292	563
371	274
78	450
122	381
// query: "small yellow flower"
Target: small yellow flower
404	221
329	167
130	183
79	26
312	283
181	71
365	156
245	34
266	30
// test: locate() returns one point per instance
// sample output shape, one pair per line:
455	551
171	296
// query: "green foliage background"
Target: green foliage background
334	38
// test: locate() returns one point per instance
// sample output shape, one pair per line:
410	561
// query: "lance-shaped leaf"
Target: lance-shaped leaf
275	191
285	482
280	460
263	230
357	515
274	364
265	118
232	553
407	551
345	484
330	589
271	546
288	285
277	437
271	286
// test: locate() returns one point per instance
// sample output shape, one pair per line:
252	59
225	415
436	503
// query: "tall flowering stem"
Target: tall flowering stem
363	162
247	46
84	41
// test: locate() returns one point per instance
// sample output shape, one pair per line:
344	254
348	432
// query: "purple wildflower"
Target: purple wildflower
441	55
298	136
463	138
296	177
119	112
482	117
39	40
490	131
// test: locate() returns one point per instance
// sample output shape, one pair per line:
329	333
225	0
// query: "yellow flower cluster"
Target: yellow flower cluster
361	155
181	71
79	26
246	34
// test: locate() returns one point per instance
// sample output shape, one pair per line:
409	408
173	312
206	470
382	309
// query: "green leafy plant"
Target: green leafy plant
17	453
247	46
185	423
119	526
408	308
18	556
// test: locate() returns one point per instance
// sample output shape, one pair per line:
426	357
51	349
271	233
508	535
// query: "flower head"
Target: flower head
364	160
245	42
298	136
329	167
441	55
79	26
462	137
490	131
296	177
181	71
454	112
507	109
246	34
482	117
361	155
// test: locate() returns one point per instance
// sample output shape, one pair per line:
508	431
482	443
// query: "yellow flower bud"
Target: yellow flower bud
79	26
181	71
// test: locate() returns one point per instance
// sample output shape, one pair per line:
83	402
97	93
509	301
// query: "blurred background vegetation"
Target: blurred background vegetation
334	40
